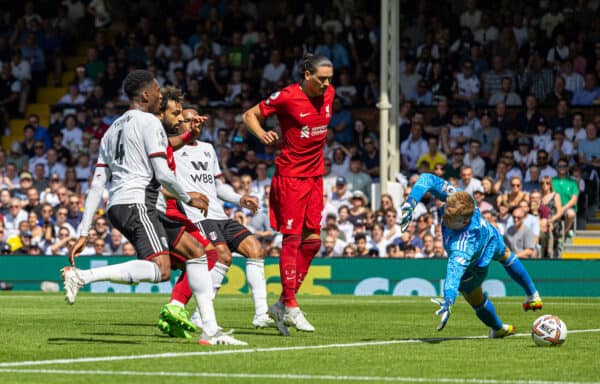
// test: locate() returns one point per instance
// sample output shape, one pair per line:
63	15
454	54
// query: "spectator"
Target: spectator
340	195
573	80
16	156
370	158
519	237
568	190
467	86
409	79
493	78
39	157
60	246
72	135
468	183
589	94
439	81
360	241
515	196
526	121
349	251
474	160
72	97
452	168
334	51
558	93
359	180
561	148
536	79
505	95
341	122
532	179
15	216
589	148
392	230
413	147
577	131
433	156
377	240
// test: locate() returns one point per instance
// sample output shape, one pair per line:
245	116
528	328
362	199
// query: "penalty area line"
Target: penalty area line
254	350
286	376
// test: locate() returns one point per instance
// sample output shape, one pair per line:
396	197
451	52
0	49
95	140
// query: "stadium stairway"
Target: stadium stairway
46	96
586	243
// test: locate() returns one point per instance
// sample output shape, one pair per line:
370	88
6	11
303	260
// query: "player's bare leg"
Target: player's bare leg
131	272
200	284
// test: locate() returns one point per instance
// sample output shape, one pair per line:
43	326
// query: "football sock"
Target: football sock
308	250
131	272
217	274
519	274
181	290
290	251
255	274
200	284
487	314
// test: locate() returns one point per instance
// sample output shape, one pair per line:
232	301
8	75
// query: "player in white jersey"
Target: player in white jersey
198	170
133	156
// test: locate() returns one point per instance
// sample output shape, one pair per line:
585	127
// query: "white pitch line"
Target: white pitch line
290	377
251	350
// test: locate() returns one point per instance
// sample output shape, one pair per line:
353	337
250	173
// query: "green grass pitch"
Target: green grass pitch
357	340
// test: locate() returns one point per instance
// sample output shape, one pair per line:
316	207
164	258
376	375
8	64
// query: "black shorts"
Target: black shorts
228	232
150	231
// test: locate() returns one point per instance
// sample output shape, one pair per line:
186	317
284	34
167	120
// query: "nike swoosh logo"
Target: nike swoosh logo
304	114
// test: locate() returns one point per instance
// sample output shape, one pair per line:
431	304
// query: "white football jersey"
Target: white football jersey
197	171
126	149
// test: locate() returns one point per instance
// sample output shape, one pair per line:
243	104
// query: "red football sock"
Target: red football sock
308	250
290	251
211	256
181	290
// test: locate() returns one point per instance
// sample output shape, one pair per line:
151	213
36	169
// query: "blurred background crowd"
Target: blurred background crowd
497	97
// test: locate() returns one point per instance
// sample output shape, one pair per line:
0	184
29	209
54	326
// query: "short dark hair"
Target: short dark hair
360	236
170	93
135	81
191	106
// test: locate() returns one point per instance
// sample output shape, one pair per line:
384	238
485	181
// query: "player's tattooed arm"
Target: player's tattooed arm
252	118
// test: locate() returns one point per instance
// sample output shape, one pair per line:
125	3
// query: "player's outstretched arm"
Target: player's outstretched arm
188	137
252	118
427	182
167	179
92	201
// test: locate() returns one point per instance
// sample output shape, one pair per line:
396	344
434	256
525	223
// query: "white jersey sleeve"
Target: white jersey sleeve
126	149
155	140
197	169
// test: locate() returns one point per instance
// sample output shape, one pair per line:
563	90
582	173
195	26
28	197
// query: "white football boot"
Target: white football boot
294	317
72	282
263	321
220	338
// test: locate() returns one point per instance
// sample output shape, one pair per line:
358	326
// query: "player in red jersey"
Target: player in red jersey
171	117
296	198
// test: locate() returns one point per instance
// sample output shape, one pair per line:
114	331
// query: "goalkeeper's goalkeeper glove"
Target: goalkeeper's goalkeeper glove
443	312
406	212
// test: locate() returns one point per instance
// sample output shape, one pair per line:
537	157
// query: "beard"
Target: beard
171	129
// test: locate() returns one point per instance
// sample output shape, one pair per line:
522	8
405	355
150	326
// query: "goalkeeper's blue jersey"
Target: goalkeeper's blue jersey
473	246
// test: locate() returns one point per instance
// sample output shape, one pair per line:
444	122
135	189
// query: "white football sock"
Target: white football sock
177	303
255	274
200	284
131	272
217	274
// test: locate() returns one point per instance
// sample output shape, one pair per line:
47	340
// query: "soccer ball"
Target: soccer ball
548	331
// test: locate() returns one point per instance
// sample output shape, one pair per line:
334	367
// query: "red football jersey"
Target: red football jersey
303	122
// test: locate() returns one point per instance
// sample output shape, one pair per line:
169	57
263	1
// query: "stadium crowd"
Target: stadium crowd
473	63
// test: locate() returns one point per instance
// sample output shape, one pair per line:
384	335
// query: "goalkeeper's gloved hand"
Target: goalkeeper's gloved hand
406	212
443	312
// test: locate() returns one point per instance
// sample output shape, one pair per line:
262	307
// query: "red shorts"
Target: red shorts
296	203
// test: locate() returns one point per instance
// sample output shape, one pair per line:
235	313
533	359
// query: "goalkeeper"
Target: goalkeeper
471	243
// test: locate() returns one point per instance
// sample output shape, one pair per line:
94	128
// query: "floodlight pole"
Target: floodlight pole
389	155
